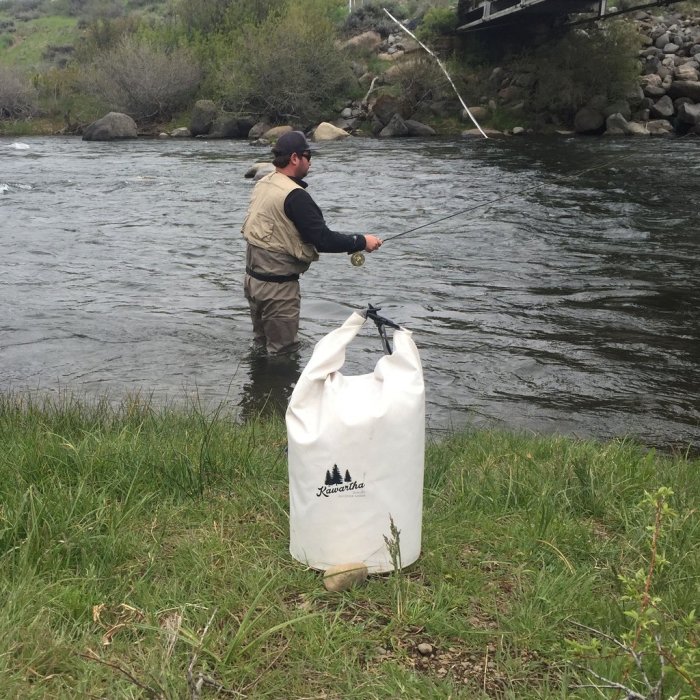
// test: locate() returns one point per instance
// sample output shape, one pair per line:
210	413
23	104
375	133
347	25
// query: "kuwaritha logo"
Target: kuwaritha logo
337	483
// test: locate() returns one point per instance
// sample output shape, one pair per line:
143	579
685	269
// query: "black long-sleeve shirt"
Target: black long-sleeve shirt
306	215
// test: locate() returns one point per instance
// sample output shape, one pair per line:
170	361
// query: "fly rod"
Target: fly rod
358	258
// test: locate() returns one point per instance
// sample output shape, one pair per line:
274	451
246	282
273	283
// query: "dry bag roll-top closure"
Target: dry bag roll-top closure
356	456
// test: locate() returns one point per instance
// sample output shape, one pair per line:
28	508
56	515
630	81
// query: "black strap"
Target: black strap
270	278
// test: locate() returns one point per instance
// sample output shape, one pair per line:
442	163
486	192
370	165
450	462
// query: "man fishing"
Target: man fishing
285	231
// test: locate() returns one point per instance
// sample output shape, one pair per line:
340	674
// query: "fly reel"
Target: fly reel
357	259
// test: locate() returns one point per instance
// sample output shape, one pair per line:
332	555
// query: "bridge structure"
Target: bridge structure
486	14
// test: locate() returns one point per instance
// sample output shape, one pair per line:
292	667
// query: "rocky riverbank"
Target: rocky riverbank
667	99
664	101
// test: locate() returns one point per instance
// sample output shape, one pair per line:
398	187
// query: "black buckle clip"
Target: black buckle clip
381	323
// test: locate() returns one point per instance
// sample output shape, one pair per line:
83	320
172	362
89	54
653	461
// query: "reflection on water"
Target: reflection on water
269	384
570	304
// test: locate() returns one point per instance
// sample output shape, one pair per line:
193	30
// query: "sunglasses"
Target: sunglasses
305	154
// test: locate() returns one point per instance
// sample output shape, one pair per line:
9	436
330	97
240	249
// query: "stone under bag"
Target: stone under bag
356	455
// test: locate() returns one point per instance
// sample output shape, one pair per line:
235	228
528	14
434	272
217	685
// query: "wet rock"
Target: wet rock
396	127
616	125
685	88
588	121
327	132
689	113
660	127
276	131
416	128
257	130
663	108
258	170
113	126
203	115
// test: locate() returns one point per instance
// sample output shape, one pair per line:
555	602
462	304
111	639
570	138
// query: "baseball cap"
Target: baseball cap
291	142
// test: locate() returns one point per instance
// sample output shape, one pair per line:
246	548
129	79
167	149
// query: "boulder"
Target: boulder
616	125
265	169
660	127
480	113
686	72
182	132
588	121
327	132
111	127
689	113
368	41
635	96
637	129
203	115
511	94
663	108
385	107
685	88
226	126
257	130
662	40
276	131
396	127
416	128
618	107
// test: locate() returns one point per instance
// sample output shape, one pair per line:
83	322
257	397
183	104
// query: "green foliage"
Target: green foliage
143	80
659	648
586	63
286	68
105	34
30	40
420	83
437	22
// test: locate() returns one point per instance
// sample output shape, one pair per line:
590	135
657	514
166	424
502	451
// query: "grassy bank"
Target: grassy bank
144	554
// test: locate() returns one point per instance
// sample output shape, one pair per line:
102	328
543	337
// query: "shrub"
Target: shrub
420	82
18	97
287	68
437	22
586	63
143	80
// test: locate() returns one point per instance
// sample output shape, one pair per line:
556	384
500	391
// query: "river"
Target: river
569	304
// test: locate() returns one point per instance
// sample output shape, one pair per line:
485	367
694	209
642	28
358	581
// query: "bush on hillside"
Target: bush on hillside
143	80
224	15
420	83
586	63
18	97
287	68
437	22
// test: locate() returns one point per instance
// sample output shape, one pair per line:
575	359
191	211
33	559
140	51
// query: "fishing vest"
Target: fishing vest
267	226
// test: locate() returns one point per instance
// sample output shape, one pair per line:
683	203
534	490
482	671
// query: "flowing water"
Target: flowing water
570	304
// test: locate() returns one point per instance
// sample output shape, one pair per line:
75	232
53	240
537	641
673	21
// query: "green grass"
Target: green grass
144	550
25	47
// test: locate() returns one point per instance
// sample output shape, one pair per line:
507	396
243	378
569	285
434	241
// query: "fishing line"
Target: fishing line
358	259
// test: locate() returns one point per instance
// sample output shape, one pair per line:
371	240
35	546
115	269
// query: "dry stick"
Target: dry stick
117	667
369	92
442	67
195	686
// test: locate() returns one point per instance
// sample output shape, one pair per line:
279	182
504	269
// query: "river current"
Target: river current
570	303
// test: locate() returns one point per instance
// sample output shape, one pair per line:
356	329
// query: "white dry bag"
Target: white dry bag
356	455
